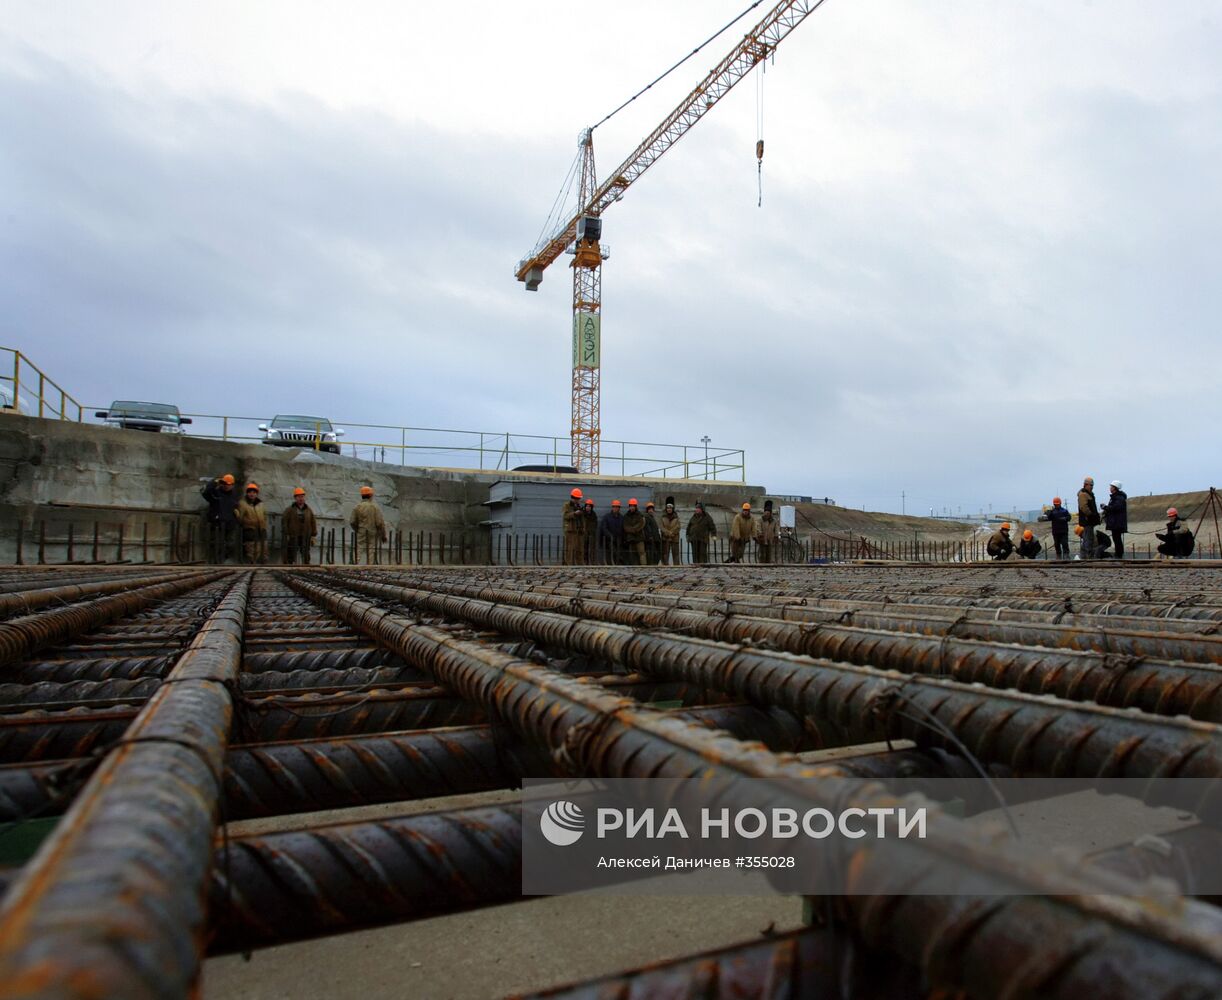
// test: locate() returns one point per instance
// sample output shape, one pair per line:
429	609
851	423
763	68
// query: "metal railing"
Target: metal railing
488	451
47	398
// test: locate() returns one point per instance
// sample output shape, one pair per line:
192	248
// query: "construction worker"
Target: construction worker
1116	515
1030	546
590	537
369	529
653	536
611	534
742	530
634	535
1000	544
669	528
222	520
700	528
299	529
1088	516
1177	541
252	520
1058	519
766	534
574	520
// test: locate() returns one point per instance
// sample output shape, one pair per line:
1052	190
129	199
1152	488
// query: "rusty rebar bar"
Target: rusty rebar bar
28	601
600	735
1033	735
112	903
824	963
1192	648
19	637
303	884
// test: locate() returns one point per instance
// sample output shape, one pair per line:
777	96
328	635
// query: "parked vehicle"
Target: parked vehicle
6	399
133	415
289	431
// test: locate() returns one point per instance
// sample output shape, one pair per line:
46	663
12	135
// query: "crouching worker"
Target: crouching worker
1030	546
1176	541
1000	544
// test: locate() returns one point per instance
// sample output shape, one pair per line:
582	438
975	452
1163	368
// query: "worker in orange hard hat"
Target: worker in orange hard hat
1058	519
1000	545
252	520
300	527
573	523
222	500
653	535
590	538
742	530
1030	546
634	535
368	529
1175	541
611	534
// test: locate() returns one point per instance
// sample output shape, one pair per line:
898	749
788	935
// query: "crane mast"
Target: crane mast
583	232
586	431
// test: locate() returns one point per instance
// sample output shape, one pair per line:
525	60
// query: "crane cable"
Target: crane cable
659	79
759	131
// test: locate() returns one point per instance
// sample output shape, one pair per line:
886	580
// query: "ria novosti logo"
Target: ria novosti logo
562	823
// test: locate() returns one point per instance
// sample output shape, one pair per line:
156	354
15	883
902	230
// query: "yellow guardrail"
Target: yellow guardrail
40	390
487	451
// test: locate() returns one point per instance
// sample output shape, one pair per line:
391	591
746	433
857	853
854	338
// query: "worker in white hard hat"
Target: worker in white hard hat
1116	516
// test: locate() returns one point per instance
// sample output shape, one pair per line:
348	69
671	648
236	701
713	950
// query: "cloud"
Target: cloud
983	265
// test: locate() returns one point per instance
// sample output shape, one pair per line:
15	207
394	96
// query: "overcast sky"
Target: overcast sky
987	260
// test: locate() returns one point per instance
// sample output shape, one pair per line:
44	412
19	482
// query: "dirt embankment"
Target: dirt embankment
845	524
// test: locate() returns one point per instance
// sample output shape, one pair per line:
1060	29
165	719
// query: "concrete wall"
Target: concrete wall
56	474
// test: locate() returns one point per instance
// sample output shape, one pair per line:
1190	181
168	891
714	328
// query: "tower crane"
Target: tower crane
582	234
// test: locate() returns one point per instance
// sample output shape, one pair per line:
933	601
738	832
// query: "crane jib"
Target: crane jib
758	43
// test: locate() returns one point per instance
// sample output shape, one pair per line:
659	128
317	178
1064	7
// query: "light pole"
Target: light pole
705	441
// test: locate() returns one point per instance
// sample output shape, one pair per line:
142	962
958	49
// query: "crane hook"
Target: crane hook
759	170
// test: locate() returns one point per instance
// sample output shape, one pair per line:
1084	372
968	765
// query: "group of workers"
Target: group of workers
1175	542
235	519
647	539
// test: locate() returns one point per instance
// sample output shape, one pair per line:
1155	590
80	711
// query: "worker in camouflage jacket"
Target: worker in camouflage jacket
669	527
700	528
574	519
742	530
252	522
1000	545
766	535
634	535
369	529
1088	516
300	527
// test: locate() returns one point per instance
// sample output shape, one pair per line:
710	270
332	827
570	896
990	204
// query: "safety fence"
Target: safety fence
27	389
54	538
485	451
